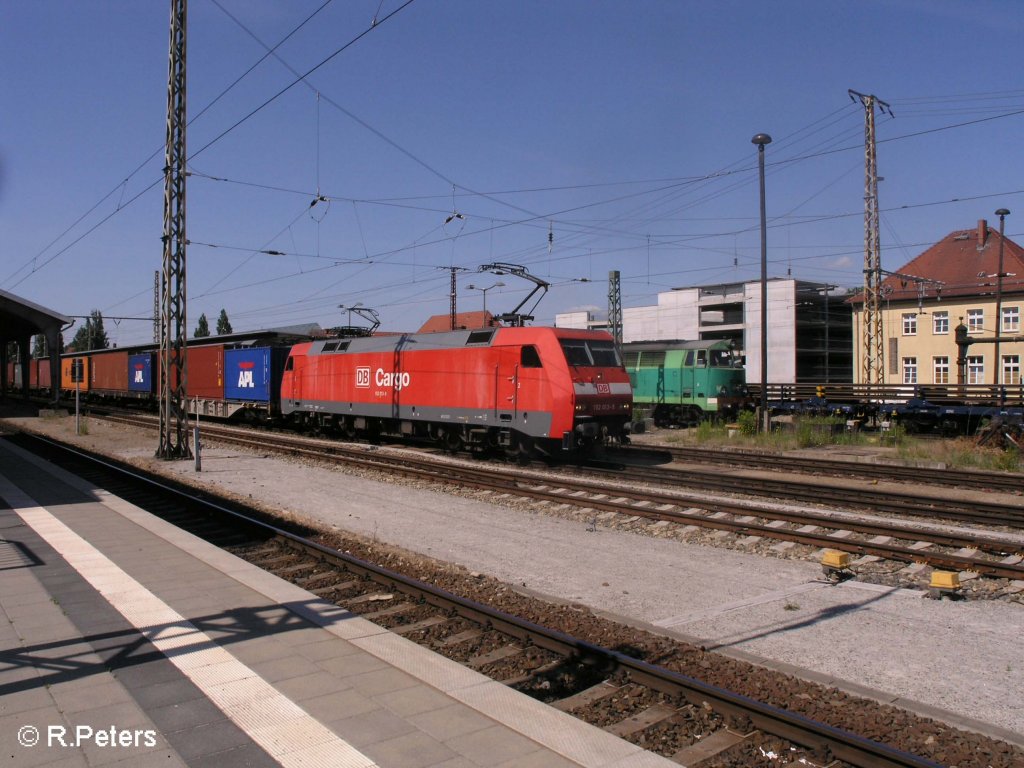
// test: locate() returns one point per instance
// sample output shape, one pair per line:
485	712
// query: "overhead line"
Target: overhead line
155	153
301	78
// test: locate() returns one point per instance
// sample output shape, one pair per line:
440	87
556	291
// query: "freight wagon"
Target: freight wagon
238	378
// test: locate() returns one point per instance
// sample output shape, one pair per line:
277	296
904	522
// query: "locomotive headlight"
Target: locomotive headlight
580	408
723	390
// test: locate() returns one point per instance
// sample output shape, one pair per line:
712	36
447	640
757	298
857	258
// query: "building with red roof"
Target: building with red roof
463	320
956	281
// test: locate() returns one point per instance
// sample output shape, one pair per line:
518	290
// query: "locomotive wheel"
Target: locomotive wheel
521	451
453	442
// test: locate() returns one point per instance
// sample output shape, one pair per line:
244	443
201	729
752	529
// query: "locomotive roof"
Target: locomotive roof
479	337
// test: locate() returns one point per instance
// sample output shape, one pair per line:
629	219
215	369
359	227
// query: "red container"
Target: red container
205	372
39	374
109	375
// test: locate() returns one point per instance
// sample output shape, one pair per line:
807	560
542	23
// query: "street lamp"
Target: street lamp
484	292
1002	213
760	140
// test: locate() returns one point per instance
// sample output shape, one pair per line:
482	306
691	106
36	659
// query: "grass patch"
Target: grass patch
823	431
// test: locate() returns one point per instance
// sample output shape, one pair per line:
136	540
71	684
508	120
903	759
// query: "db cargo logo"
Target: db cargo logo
397	380
603	388
140	377
363	377
245	375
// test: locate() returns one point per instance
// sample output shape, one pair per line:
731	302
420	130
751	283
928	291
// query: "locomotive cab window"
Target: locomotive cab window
290	363
576	352
702	358
590	354
721	358
529	357
604	354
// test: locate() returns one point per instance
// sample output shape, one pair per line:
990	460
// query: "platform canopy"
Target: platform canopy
20	320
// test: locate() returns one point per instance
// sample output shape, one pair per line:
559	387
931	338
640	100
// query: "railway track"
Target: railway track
962	478
685	718
916	502
973	551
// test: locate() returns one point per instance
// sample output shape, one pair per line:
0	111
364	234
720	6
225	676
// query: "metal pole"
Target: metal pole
195	439
1002	213
760	140
828	349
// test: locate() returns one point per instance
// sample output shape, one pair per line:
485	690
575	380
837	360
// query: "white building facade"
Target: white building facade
809	327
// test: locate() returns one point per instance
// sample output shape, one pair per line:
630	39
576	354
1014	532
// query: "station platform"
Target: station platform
125	640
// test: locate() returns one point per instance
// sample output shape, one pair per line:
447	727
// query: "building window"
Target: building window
975	320
1011	369
941	370
976	369
1011	319
910	324
910	370
940	323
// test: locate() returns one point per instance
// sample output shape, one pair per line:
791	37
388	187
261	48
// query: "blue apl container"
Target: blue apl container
247	374
140	373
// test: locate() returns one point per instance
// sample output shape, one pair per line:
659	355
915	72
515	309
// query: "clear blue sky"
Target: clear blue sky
622	128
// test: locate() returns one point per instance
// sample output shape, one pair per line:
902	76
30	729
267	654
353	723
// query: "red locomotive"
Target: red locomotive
524	390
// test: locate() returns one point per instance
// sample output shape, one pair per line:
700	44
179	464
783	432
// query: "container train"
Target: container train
526	391
684	382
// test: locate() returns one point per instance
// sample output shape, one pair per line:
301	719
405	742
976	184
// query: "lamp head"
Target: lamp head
761	139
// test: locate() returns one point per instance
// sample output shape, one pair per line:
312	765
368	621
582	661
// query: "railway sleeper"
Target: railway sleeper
641	721
701	752
586	697
427	623
506	651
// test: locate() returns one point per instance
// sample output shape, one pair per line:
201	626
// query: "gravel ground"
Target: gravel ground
960	657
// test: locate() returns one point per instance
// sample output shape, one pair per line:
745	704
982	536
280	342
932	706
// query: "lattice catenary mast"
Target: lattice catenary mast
873	362
615	308
174	442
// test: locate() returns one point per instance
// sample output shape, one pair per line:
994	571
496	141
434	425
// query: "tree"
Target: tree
39	345
202	327
91	335
223	324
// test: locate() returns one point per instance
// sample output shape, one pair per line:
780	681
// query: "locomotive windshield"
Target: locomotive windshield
588	353
721	358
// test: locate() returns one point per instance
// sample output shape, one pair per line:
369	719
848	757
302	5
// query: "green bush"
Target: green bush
748	423
705	431
1008	460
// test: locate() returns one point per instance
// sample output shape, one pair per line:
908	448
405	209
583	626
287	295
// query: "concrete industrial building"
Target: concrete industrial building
809	325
